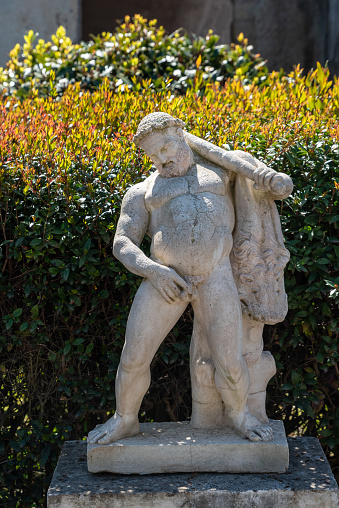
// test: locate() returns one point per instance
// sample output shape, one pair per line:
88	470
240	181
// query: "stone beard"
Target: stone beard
174	157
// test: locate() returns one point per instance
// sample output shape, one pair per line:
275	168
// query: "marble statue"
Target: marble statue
217	244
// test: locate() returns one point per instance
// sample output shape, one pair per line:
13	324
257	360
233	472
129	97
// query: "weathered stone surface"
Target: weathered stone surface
178	447
308	483
216	244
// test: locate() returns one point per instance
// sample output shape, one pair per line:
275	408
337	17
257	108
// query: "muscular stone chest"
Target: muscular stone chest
192	208
198	180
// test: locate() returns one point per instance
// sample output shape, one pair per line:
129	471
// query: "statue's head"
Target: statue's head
162	138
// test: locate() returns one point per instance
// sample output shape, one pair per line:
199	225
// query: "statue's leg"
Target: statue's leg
207	406
218	311
261	366
217	308
150	320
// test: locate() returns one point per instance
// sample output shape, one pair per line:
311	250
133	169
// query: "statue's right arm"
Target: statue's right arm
130	231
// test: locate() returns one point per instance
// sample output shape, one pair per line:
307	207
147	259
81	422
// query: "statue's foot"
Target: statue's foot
114	429
247	426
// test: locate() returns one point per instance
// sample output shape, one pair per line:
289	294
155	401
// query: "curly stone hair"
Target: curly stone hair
155	122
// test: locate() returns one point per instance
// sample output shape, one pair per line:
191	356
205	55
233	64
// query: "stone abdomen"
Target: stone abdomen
191	232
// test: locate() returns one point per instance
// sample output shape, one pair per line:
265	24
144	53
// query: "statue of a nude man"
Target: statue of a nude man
186	208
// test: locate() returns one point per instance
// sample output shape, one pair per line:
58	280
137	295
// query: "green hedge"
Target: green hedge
64	167
138	51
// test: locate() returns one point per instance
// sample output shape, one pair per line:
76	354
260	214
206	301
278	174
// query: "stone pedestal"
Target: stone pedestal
308	483
178	448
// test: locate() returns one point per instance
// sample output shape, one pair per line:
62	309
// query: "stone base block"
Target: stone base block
178	448
308	483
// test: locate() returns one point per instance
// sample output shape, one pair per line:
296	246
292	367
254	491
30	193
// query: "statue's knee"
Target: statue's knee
132	364
235	373
232	371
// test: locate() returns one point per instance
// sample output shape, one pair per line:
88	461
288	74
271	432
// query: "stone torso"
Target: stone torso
191	218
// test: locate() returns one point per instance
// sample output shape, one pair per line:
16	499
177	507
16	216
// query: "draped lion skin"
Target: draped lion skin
217	244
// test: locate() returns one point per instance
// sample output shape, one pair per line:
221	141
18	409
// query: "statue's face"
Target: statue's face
169	151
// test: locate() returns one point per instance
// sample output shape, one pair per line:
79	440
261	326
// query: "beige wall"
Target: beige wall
17	17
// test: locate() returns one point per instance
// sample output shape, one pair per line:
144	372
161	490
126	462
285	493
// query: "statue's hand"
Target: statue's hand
266	179
262	177
169	284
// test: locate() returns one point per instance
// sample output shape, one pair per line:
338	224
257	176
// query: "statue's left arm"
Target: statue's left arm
279	185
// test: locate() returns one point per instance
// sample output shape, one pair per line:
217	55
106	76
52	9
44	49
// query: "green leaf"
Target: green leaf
325	309
87	246
24	326
89	348
44	455
173	358
313	321
77	300
287	386
295	377
15	446
19	241
331	441
76	342
67	348
290	158
33	326
58	262
335	218
35	311
323	261
82	261
320	357
103	294
17	313
65	274
9	323
312	276
35	242
302	313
